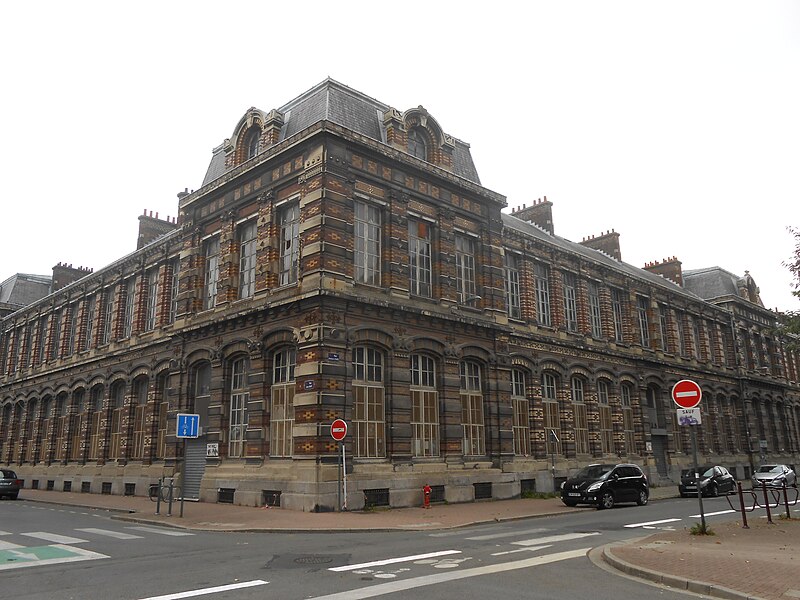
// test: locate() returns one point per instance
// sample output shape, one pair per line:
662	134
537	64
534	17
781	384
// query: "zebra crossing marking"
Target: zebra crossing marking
120	535
54	537
170	532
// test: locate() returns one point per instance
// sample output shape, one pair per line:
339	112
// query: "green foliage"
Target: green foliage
789	321
539	495
700	529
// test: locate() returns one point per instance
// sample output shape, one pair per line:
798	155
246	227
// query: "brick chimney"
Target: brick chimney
669	268
64	274
151	227
540	213
607	243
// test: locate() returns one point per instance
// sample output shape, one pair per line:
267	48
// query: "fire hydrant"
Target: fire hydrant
426	496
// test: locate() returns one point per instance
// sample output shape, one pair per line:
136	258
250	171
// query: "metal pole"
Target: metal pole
339	478
697	478
169	503
158	495
344	478
786	501
766	503
741	503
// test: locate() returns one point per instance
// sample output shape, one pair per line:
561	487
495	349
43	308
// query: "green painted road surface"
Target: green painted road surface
35	556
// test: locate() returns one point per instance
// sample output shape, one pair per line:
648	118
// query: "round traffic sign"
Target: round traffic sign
338	430
686	393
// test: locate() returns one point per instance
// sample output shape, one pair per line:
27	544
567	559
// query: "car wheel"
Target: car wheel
643	498
713	491
606	500
14	496
570	503
684	495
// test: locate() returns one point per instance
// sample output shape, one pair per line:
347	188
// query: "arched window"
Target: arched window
580	421
626	399
251	141
76	424
416	145
117	405
474	443
30	419
424	406
240	396
552	420
162	409
282	400
95	432
606	426
521	408
140	389
60	424
369	411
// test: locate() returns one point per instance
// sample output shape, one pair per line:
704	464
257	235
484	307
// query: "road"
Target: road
60	552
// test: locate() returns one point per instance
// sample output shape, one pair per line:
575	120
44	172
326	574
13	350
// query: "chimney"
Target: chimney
540	213
607	243
669	268
64	274
183	194
151	227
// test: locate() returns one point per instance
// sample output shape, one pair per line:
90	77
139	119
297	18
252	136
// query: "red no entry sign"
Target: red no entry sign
686	393
338	430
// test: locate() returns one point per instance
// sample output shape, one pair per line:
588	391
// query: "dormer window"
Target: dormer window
416	145
251	143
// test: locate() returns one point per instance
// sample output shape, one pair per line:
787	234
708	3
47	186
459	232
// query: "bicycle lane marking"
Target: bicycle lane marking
35	556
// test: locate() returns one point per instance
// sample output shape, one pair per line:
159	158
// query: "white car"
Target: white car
774	476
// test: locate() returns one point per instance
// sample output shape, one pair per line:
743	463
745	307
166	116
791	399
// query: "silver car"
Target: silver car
774	476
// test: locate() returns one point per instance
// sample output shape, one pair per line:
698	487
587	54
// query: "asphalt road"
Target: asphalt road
59	552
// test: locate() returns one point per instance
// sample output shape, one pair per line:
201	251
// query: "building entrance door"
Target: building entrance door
194	467
660	453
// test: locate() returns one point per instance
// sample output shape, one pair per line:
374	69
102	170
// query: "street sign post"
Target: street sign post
687	395
338	433
188	426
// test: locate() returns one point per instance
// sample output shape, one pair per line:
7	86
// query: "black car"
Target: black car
713	481
605	486
9	484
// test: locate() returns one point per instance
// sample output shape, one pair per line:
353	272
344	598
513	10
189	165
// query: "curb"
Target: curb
83	506
672	581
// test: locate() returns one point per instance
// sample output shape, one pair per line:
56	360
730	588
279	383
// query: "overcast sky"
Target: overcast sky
675	123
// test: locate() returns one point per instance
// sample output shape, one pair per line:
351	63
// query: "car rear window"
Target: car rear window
9	474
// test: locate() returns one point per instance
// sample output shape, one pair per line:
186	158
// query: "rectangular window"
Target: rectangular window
240	396
367	229
616	312
541	277
662	318
130	304
713	342
55	341
247	259
289	223
513	301
552	420
465	269
581	422
472	409
91	307
282	401
570	301
419	259
42	349
627	419
368	403
152	299
26	357
108	315
644	329
211	253
681	334
519	402
595	315
73	328
424	406
698	354
173	291
606	426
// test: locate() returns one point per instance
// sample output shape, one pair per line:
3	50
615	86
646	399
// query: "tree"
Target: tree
790	320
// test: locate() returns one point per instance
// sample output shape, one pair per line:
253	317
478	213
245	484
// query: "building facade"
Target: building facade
342	260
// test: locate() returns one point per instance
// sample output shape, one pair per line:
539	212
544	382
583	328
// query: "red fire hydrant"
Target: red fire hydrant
426	496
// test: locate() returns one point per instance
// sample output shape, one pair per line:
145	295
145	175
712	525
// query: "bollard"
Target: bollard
786	501
741	503
158	497
169	504
766	503
426	496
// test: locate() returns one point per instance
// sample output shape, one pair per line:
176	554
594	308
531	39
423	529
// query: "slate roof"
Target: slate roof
332	101
711	282
23	289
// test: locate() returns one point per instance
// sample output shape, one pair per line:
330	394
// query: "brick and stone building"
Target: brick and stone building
343	260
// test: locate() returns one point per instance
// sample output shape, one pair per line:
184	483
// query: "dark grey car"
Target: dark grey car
606	485
9	484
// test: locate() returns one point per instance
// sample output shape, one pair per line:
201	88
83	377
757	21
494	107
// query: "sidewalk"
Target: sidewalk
760	562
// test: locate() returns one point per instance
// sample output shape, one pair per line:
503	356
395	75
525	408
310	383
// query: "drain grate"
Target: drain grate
313	560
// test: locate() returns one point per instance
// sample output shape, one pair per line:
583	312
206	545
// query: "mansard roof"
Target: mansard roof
715	282
335	102
22	289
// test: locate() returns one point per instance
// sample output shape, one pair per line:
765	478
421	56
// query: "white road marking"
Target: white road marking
8	546
554	538
108	533
652	523
77	555
390	561
526	549
54	537
407	584
211	590
495	536
721	512
161	531
5	533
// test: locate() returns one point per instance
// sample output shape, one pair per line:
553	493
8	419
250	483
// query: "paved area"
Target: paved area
760	562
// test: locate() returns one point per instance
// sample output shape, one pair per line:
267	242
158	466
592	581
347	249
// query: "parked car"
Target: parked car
713	481
9	484
774	476
605	485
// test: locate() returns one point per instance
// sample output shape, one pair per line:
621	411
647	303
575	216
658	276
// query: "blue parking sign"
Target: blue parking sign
188	426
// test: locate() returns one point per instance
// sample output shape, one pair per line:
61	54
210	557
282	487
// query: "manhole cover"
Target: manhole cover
313	560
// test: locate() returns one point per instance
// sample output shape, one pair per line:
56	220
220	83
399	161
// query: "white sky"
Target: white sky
675	123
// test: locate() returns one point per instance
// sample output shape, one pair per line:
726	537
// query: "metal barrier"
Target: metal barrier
773	500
